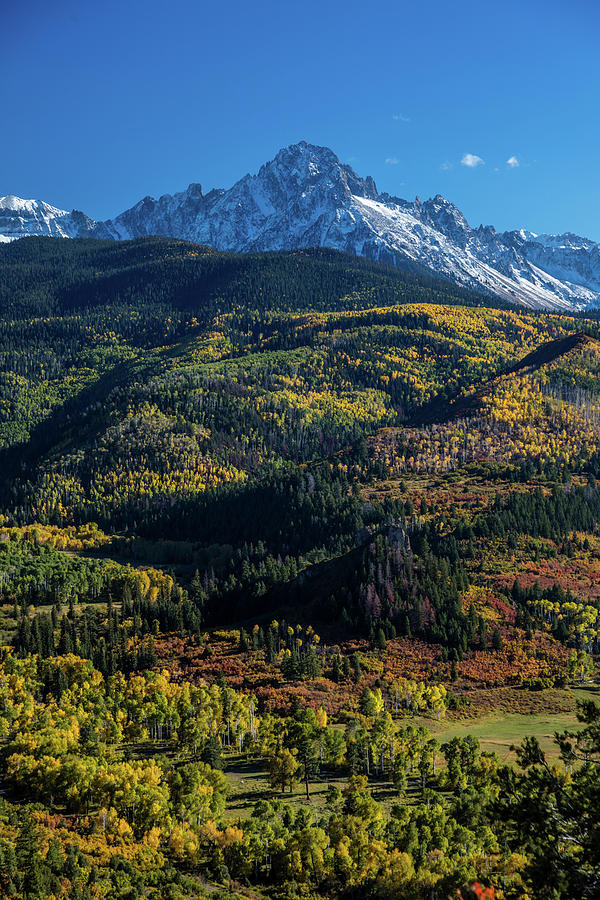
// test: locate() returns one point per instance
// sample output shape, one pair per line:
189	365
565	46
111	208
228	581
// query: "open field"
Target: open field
498	734
248	782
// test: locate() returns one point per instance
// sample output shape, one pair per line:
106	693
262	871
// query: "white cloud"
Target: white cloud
446	166
472	161
513	162
392	161
398	117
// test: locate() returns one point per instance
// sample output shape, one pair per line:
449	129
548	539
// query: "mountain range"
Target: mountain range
306	197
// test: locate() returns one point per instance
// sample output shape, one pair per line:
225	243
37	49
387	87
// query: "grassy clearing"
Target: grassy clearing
497	734
249	781
498	730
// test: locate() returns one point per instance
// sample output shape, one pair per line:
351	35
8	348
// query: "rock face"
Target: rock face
306	197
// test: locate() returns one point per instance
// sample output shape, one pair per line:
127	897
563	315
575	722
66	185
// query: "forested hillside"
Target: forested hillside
280	535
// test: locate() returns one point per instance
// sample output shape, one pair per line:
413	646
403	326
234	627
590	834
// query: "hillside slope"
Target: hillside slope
140	376
262	413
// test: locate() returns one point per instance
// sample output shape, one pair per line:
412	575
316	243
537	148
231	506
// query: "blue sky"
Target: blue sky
105	102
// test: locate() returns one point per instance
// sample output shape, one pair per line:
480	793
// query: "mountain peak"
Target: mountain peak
303	161
309	165
12	202
19	217
195	190
440	202
445	215
302	150
27	207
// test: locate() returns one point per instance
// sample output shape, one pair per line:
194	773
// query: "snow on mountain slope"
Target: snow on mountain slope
306	197
19	218
467	264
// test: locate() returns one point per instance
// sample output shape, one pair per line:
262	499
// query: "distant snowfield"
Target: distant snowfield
305	197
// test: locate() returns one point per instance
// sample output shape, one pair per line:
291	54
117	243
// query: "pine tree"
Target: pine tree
496	640
336	673
30	861
346	670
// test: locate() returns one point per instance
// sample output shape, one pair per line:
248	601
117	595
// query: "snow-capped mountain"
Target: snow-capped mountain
19	218
306	197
